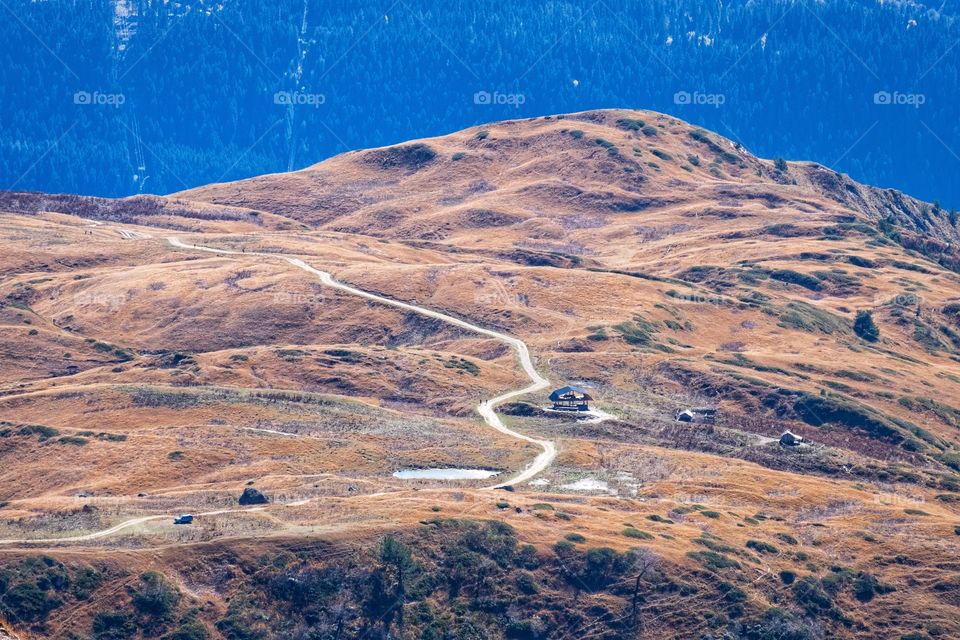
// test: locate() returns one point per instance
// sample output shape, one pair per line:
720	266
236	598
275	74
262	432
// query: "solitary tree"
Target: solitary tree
781	165
865	327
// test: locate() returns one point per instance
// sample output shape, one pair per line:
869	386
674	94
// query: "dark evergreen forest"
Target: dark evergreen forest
119	97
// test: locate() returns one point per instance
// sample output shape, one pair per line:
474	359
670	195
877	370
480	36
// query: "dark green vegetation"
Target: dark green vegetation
197	112
865	327
450	579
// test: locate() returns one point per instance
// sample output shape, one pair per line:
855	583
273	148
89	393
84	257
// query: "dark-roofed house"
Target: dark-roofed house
570	399
790	439
705	414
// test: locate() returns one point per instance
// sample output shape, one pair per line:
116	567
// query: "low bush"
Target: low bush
713	561
865	327
155	596
762	547
795	277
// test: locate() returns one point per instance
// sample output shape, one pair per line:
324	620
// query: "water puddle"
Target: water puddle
445	474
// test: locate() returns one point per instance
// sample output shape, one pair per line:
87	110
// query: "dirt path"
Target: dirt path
486	409
126	524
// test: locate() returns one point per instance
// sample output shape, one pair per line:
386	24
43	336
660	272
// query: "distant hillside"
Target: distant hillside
117	97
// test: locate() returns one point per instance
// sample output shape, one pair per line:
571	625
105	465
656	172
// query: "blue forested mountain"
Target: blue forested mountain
120	97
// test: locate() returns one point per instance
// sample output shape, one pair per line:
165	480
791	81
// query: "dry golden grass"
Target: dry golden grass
177	369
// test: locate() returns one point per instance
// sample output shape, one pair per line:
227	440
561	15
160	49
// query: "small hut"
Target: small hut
570	399
706	415
790	439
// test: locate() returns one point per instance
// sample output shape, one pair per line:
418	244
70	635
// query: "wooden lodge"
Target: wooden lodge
703	415
790	439
570	399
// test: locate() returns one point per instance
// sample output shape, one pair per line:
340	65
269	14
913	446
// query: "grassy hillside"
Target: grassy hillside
658	264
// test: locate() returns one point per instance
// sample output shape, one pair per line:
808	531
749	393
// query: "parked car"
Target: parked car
184	519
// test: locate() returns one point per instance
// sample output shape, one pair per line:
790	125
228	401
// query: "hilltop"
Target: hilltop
662	266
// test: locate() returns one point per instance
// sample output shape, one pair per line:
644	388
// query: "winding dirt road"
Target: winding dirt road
486	409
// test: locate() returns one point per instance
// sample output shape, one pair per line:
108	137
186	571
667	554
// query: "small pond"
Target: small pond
445	474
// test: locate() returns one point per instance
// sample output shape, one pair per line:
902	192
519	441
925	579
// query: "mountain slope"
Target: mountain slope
657	264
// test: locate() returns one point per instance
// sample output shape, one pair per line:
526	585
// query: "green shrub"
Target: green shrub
464	366
714	544
713	561
631	532
787	577
761	547
858	261
113	625
795	277
27	602
575	537
155	596
786	537
711	514
44	432
193	630
865	327
631	124
810	595
85	581
526	583
606	144
866	587
781	165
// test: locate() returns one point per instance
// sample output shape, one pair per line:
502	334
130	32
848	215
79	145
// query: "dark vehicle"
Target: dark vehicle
184	519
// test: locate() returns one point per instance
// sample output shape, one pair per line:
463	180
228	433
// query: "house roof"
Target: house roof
562	391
